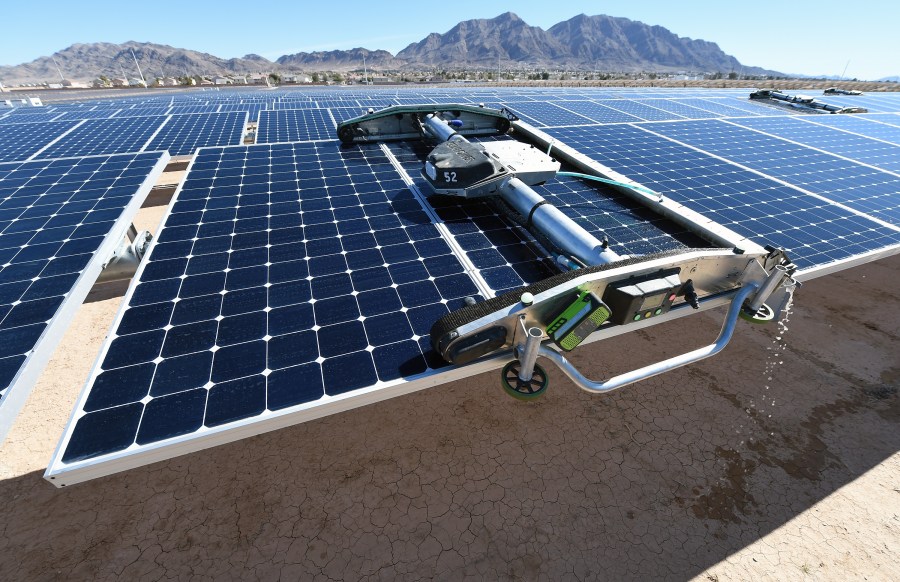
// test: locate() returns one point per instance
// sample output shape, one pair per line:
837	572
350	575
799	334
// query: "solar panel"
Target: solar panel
284	277
867	125
596	112
143	111
815	232
854	147
295	125
858	187
639	110
59	221
294	280
20	141
679	108
182	134
86	113
544	114
105	136
29	116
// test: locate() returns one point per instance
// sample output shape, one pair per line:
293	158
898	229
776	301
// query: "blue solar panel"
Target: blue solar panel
105	136
59	220
252	109
596	112
341	114
283	276
854	147
859	187
183	134
293	280
679	108
638	109
544	114
815	232
184	109
295	125
867	125
143	111
29	115
719	106
20	141
85	113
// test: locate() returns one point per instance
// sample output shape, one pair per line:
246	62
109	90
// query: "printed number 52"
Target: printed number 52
449	176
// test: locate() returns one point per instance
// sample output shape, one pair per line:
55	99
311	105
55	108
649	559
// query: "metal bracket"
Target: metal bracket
653	369
123	262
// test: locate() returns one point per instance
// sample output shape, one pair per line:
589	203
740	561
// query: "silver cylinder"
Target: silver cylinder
529	354
769	285
438	128
561	230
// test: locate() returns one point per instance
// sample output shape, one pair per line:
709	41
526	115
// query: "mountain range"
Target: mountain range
600	43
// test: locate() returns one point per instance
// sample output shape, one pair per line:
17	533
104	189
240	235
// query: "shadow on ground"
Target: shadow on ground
660	480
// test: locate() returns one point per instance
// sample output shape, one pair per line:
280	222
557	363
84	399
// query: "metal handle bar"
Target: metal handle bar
658	368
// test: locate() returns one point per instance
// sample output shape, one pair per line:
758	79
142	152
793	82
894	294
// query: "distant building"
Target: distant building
169	82
301	79
137	83
222	81
101	83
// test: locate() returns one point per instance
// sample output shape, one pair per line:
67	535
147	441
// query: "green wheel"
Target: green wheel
531	390
763	315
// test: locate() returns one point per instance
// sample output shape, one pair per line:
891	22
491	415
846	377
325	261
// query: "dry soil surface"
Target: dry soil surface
777	459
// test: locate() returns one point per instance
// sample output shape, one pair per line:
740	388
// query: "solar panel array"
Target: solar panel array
59	220
294	278
183	134
20	141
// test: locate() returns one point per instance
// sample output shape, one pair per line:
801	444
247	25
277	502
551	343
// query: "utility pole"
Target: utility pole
365	71
844	72
146	86
61	78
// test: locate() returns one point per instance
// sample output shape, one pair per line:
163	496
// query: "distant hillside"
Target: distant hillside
334	60
83	62
583	42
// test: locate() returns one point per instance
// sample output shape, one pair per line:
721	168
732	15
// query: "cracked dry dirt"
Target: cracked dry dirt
704	472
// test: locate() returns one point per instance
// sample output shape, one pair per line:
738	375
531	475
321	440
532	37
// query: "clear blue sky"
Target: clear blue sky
794	37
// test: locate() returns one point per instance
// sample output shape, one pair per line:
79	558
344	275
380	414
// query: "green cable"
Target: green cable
613	182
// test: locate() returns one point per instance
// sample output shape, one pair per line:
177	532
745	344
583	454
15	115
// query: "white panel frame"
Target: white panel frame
25	379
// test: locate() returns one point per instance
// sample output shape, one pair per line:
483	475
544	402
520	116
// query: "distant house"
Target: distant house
222	81
303	79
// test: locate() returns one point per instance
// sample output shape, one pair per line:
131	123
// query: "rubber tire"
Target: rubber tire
346	134
764	315
510	374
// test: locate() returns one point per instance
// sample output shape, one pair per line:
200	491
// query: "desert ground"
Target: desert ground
775	460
